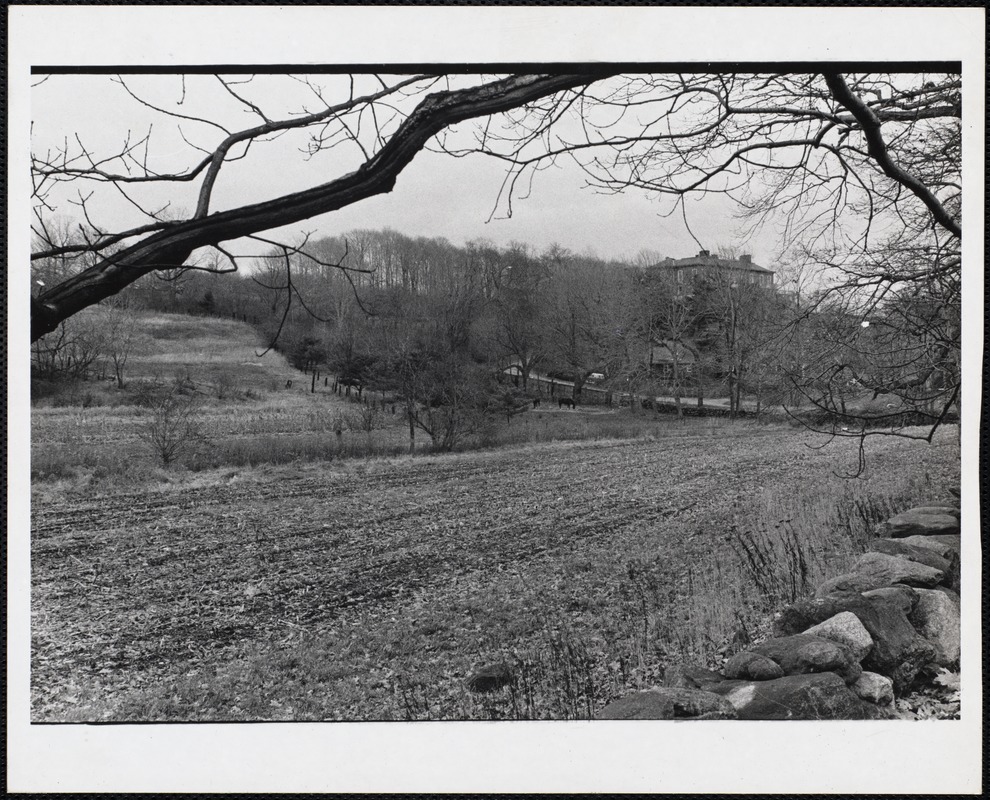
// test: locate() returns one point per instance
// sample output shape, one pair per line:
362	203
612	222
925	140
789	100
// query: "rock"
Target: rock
949	593
943	545
953	578
688	676
952	541
669	704
489	678
750	666
923	555
935	508
803	653
818	696
845	629
893	569
874	688
852	583
920	522
903	597
936	618
875	570
899	651
848	582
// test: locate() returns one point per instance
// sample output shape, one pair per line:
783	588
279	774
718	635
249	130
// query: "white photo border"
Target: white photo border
802	757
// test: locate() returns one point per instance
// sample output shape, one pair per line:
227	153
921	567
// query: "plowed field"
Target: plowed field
370	590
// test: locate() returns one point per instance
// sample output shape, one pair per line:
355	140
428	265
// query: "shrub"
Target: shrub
172	425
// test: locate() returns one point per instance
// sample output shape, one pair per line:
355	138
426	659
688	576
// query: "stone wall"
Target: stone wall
866	637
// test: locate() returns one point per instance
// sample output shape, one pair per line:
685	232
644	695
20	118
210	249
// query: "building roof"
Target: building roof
706	259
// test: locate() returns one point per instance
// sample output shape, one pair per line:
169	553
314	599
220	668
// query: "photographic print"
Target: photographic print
505	390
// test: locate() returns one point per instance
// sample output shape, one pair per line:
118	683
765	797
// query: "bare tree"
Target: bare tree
118	323
673	319
172	424
73	352
520	322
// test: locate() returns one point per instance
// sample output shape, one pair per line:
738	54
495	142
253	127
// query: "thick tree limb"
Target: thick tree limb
877	148
376	176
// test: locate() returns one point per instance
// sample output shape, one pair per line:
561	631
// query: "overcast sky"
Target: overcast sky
436	195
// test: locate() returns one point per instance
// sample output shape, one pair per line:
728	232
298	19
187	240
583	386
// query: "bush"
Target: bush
172	426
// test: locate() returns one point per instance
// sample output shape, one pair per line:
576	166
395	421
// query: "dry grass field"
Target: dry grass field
298	585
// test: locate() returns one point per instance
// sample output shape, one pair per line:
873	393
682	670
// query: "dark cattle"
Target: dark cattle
536	402
288	384
566	402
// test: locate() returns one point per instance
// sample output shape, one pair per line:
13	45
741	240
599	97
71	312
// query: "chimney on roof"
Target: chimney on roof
746	259
704	254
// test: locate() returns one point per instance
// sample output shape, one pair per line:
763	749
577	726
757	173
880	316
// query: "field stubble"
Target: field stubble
370	589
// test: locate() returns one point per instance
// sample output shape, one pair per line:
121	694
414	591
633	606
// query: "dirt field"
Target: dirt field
369	590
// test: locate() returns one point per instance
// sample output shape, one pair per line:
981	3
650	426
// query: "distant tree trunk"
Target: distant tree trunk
412	427
578	387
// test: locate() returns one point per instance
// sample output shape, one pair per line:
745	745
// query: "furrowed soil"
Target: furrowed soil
370	590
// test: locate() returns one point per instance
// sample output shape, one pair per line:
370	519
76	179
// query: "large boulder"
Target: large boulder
923	521
943	545
817	696
751	666
667	703
804	653
847	630
903	597
922	555
849	582
936	618
895	569
874	688
876	570
938	508
899	651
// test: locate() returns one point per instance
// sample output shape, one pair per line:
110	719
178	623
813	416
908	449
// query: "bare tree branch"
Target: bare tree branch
878	150
377	175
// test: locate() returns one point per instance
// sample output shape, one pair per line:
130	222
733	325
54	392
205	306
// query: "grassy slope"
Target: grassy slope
246	413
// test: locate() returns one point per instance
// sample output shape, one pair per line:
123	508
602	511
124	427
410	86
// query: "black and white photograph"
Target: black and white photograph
527	393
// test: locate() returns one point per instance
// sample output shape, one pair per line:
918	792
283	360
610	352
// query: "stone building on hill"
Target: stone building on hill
742	270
